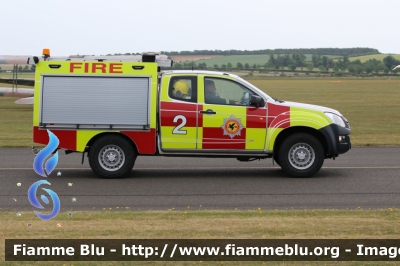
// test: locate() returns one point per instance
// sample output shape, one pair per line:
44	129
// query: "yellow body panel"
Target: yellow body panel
223	111
200	139
255	138
164	90
83	136
272	133
309	118
178	141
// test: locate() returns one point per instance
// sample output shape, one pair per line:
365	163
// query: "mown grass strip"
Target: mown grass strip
123	223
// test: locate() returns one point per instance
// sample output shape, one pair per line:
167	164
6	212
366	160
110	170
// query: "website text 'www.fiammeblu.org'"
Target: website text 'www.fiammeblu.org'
233	250
201	249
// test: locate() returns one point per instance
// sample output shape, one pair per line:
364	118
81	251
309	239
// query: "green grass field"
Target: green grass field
373	56
124	223
371	106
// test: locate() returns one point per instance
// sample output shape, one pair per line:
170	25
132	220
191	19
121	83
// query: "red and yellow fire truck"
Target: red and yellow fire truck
117	108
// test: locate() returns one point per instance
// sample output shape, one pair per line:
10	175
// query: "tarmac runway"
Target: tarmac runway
365	177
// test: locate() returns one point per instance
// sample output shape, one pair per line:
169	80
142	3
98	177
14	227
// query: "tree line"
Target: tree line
296	61
327	51
358	51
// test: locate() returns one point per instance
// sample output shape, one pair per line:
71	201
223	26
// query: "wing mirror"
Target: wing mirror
256	101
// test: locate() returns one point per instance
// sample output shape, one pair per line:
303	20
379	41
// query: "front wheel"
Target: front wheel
111	157
301	155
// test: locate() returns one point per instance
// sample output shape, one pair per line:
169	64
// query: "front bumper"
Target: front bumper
337	139
344	145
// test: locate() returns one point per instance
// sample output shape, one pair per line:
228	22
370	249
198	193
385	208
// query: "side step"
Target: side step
248	159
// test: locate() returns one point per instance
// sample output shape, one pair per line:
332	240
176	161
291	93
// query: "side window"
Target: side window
222	91
183	88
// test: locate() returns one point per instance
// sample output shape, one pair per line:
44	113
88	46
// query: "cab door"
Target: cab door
178	113
226	121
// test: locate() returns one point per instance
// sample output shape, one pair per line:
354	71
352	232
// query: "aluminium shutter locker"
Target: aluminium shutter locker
82	100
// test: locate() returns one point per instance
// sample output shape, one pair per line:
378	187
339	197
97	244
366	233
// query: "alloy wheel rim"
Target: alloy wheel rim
111	158
301	156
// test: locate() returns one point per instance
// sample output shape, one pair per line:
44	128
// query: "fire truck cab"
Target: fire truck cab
115	109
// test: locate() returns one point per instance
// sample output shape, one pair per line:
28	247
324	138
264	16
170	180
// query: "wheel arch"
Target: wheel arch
100	135
300	129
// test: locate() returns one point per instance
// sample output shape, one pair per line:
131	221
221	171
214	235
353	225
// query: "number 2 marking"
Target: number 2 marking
183	123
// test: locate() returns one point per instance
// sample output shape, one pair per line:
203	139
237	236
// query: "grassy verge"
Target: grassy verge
21	75
16	123
126	224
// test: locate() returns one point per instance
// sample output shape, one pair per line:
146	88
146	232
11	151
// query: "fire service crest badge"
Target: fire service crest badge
232	126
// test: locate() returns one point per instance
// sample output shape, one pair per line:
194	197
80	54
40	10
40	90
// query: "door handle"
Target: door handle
208	112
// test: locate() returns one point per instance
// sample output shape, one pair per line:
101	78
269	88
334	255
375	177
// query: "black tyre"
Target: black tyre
112	156
301	155
276	159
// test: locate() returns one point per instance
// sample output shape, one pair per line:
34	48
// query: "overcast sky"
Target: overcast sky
121	26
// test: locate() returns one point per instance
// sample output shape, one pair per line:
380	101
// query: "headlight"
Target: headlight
338	120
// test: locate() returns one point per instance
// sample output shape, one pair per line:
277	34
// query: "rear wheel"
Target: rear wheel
112	157
301	155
